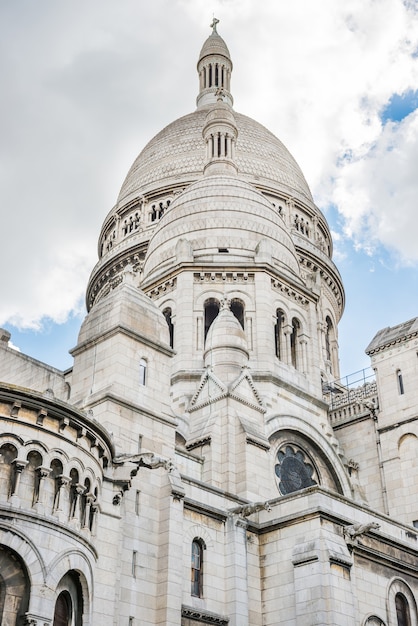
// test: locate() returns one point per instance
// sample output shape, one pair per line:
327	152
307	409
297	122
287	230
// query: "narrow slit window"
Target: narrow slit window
197	569
142	372
168	318
399	378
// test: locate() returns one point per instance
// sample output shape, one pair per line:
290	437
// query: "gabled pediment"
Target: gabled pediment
210	390
244	390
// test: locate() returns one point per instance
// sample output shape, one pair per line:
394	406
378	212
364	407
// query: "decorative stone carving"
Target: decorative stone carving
201	615
248	509
353	531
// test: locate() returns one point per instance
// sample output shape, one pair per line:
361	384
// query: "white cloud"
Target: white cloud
378	192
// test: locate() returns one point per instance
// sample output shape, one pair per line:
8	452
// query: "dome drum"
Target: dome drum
212	211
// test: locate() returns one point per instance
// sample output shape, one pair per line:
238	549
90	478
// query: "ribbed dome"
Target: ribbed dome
214	44
177	154
220	217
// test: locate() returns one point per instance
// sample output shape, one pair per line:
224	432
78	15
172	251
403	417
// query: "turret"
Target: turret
214	68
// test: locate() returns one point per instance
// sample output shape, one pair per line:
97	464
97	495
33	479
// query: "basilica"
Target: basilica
202	462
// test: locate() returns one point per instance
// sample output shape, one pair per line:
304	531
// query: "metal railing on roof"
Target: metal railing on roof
350	389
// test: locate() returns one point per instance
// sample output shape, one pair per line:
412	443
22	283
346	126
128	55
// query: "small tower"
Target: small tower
214	68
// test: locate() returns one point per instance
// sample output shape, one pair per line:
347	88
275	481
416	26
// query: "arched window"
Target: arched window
278	334
197	568
328	332
63	610
8	453
237	308
211	312
294	342
74	493
56	475
69	605
399	379
402	610
168	318
14	587
32	477
142	372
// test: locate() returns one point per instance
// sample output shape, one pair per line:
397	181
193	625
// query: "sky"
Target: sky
85	85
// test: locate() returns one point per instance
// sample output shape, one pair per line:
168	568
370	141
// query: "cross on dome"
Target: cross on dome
214	23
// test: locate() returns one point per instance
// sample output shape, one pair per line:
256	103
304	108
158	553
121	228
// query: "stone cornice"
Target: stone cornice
201	615
119	328
102	396
394	342
66	415
268	377
11	516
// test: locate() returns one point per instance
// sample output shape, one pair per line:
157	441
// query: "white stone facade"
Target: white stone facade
200	462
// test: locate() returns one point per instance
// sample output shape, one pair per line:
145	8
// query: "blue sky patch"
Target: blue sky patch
400	106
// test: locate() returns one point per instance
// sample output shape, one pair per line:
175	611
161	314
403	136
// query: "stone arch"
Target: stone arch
57	453
69	601
408	473
407	438
35	444
13	439
14	586
197	530
318	446
373	620
72	561
243	296
9	452
27	550
75	463
398	586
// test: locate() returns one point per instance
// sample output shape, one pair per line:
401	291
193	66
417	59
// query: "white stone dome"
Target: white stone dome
214	45
220	218
177	155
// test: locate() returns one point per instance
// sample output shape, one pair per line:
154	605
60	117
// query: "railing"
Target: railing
351	396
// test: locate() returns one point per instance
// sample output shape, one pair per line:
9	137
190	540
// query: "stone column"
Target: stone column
170	570
236	571
41	474
89	502
287	333
223	137
303	343
63	482
19	466
75	513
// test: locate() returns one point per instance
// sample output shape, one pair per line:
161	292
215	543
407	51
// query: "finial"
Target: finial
225	303
213	25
